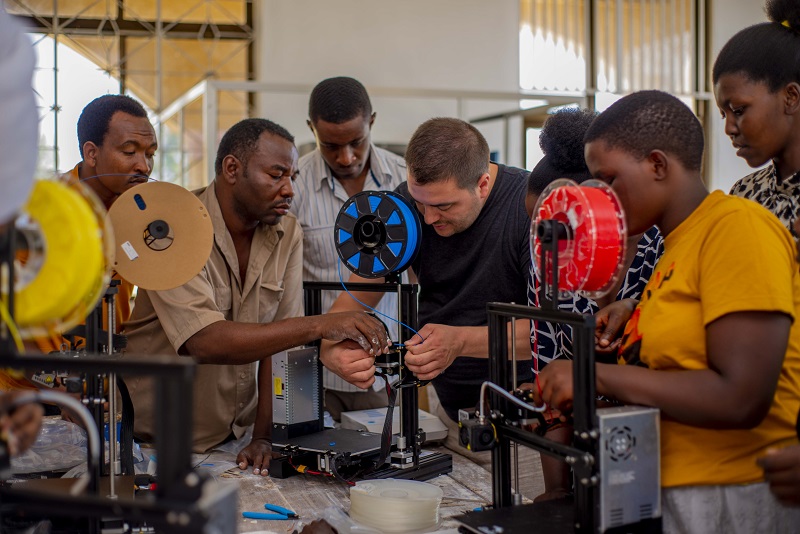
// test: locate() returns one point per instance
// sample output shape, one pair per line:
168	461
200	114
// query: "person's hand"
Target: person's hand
20	426
609	322
428	359
71	417
350	362
68	415
359	326
258	454
556	383
533	392
551	414
782	472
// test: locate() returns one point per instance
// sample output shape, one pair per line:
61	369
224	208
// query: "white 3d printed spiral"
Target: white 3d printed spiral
395	505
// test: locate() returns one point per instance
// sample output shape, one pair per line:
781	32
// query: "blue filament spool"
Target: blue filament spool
377	233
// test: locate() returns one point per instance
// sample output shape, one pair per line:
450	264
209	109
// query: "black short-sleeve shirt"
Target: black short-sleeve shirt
460	274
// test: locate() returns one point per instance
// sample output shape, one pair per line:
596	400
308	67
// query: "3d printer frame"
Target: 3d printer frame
184	501
416	465
407	295
583	454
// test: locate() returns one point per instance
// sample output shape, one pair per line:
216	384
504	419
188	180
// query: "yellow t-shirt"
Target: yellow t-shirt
730	255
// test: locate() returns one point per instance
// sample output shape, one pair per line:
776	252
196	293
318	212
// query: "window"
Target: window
155	51
636	44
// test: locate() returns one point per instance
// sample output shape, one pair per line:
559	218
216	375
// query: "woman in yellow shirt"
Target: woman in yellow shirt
721	362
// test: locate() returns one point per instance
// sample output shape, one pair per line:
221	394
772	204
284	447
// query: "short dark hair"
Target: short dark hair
443	149
338	100
768	52
561	142
651	120
241	139
96	116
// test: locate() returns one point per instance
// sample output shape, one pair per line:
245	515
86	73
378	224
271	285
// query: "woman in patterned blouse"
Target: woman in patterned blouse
561	141
757	87
756	80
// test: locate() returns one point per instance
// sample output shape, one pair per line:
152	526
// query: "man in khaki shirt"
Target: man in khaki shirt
246	303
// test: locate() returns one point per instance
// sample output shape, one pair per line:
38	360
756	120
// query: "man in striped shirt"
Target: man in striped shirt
344	163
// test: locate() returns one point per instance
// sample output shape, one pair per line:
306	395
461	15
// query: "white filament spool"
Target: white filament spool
392	505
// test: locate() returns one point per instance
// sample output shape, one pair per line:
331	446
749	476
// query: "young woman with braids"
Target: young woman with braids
757	87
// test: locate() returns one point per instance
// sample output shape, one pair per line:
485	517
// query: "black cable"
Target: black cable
335	470
386	435
126	433
201	462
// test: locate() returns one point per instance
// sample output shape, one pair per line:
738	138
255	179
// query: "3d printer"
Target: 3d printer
578	244
376	235
184	500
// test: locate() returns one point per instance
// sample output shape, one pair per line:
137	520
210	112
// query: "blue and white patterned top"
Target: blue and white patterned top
553	341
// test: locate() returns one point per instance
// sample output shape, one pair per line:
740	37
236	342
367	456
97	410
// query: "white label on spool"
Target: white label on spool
129	250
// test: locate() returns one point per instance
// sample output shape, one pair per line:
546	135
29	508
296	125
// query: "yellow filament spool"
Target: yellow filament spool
98	283
58	284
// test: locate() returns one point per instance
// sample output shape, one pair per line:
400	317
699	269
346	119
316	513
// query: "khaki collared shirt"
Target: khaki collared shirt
225	396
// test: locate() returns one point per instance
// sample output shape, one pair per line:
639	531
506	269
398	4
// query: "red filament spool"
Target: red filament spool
590	260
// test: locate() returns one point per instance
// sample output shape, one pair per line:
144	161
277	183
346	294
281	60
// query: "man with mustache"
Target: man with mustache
117	145
247	302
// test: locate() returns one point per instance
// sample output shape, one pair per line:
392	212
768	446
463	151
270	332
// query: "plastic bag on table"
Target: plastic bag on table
59	446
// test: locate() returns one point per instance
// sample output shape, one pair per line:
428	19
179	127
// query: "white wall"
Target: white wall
726	18
454	45
458	45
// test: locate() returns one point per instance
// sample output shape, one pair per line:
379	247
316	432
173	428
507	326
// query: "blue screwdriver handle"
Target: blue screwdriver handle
261	515
280	510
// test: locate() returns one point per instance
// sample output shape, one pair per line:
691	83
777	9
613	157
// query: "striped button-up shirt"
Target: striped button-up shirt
317	201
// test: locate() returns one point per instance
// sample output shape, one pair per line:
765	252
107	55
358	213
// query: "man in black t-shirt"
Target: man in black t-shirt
474	250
